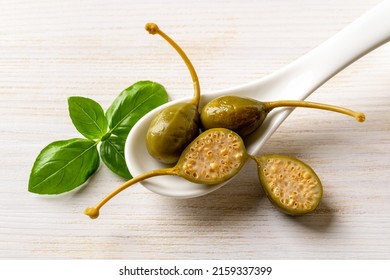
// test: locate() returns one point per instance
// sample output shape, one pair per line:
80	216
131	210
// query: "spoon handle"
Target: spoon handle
304	75
363	35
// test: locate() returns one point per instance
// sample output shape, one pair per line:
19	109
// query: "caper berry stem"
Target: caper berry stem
153	29
360	117
93	212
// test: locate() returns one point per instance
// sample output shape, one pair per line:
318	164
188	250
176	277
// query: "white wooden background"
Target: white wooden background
50	50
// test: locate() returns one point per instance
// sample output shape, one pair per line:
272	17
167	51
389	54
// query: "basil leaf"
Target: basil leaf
132	104
63	165
113	155
88	117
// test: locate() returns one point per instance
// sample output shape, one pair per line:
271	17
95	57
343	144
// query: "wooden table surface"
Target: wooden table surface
50	50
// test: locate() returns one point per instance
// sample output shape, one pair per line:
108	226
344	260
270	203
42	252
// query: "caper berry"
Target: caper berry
245	115
171	131
177	125
290	184
214	157
218	154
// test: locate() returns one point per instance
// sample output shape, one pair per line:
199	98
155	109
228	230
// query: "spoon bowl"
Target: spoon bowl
294	81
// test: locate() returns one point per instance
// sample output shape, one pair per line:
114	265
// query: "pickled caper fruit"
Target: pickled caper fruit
290	184
213	157
245	115
218	154
177	125
171	131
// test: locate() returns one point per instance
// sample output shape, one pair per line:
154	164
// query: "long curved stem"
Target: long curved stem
93	212
152	28
360	117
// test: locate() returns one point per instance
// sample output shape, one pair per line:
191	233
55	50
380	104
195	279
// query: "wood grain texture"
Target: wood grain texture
50	50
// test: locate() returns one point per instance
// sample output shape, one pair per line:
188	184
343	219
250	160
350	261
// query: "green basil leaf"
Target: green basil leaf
132	104
63	165
88	117
113	155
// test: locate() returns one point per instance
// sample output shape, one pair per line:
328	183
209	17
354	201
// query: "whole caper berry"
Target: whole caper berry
171	131
242	115
177	125
245	115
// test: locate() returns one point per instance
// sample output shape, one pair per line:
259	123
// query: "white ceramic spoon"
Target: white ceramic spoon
295	81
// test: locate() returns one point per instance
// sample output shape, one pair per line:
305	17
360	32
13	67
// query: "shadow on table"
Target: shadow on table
242	202
320	220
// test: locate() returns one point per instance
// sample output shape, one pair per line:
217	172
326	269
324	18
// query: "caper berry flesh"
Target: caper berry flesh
290	184
214	157
176	126
245	115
